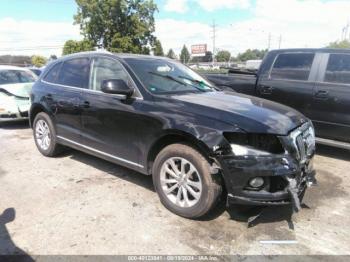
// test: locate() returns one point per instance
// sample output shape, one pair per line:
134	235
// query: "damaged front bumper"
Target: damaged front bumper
12	108
285	179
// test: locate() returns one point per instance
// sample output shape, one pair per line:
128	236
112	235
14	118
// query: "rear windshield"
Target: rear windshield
15	77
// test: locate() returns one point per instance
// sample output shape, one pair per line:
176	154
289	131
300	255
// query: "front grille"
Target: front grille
303	139
301	147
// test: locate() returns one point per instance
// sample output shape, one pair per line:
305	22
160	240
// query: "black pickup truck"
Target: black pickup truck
316	82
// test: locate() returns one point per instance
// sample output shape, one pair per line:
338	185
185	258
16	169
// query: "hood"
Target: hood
252	114
20	89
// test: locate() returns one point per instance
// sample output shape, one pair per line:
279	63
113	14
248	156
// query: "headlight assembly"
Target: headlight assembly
240	150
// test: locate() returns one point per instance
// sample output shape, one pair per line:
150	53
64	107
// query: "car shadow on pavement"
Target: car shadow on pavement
333	152
112	169
237	213
23	124
8	249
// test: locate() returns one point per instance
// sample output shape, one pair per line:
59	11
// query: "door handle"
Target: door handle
322	94
86	104
266	90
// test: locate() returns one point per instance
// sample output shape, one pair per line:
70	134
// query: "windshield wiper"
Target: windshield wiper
196	81
169	77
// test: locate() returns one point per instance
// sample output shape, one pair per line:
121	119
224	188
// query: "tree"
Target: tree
185	55
171	54
118	25
158	49
252	54
339	44
72	46
38	61
223	56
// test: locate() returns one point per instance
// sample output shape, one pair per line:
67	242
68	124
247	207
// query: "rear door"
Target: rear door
332	98
66	81
291	81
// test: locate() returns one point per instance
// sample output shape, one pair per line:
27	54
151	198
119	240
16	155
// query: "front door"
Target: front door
290	81
109	121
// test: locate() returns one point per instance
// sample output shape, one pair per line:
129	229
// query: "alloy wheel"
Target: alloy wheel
181	182
42	134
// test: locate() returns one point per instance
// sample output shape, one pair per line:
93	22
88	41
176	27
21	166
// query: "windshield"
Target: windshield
162	76
15	77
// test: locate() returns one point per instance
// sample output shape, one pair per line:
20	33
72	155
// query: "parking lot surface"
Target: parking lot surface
79	204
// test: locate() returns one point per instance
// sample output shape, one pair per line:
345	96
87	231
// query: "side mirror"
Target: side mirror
116	86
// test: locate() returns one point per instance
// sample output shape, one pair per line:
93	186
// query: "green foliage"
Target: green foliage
185	55
171	54
339	44
223	56
200	59
72	46
38	61
252	54
118	25
158	49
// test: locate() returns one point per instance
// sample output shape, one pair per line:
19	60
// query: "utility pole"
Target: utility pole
269	42
280	42
214	40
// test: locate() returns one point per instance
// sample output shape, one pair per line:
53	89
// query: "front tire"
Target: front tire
45	135
183	181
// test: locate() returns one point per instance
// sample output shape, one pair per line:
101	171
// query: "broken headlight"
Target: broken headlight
239	150
243	144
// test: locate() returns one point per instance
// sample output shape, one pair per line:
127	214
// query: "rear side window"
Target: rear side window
74	72
106	69
338	69
51	76
295	66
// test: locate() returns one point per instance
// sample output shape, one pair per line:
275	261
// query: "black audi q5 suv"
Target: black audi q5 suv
160	118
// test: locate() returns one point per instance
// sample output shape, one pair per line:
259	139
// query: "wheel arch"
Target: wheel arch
34	110
173	138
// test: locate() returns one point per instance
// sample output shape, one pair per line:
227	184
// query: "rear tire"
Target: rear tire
183	181
45	135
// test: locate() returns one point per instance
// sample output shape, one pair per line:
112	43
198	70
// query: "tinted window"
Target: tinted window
106	69
338	69
292	66
74	73
51	76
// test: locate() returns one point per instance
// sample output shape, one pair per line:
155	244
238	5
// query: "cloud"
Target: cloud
177	6
181	6
309	23
212	5
35	37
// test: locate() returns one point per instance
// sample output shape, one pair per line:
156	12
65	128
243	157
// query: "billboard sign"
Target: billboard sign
198	50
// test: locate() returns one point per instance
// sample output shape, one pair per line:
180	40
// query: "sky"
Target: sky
41	27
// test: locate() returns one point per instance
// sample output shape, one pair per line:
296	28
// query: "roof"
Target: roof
313	50
120	55
8	67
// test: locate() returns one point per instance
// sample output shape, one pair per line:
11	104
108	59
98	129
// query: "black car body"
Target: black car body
240	137
315	82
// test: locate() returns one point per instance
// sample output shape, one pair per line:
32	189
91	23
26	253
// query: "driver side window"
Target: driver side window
105	69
